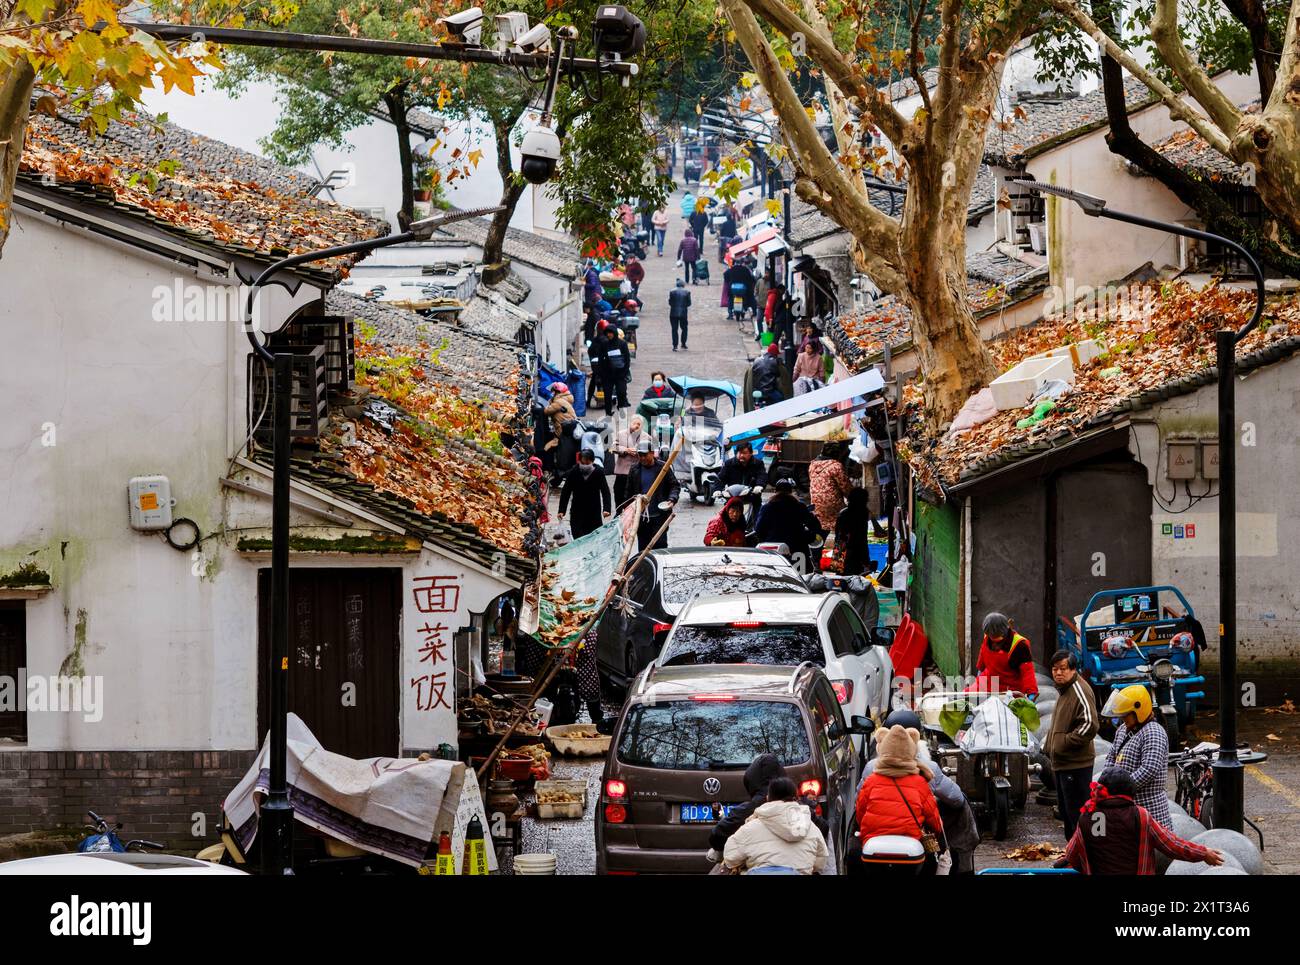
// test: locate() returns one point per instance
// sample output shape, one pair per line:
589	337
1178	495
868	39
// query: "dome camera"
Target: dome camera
466	27
541	154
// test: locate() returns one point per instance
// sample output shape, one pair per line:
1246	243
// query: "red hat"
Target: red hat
773	350
602	325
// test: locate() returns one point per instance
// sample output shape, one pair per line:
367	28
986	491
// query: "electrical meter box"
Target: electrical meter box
150	499
1209	458
1181	462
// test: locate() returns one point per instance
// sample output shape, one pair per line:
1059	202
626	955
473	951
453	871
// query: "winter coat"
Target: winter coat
688	204
881	808
829	487
809	367
1074	725
668	489
736	473
635	273
781	834
615	359
783	519
660	219
679	302
627	439
660	393
1009	669
688	250
960	831
852	544
767	373
761	772
591	285
1129	845
590	496
699	223
721	528
561	412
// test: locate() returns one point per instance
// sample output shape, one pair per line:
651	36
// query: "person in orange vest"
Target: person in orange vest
1006	659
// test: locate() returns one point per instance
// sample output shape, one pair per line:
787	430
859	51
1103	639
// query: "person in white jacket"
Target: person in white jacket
779	835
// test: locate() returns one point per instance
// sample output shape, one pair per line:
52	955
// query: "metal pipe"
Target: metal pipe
285	40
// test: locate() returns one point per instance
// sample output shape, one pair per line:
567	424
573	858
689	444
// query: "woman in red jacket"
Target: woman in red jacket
896	798
1006	660
728	527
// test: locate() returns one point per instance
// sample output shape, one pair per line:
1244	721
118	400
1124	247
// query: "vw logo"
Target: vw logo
712	785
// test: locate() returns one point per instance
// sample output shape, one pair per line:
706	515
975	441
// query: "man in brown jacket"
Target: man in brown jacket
1069	740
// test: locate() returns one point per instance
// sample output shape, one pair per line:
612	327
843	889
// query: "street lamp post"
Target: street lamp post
276	820
1229	783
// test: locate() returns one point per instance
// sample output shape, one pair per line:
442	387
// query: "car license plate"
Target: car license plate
703	813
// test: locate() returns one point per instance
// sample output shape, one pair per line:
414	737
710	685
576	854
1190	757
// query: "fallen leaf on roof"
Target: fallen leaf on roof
1286	707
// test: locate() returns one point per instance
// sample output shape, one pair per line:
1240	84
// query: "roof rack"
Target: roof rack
795	676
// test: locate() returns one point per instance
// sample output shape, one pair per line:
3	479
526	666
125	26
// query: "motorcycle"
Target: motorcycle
703	452
590	434
635	245
103	839
893	854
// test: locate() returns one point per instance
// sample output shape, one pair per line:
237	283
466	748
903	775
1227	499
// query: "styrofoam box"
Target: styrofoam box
1079	353
1014	388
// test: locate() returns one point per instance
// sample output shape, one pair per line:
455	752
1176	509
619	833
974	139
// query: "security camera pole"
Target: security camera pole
276	818
1229	775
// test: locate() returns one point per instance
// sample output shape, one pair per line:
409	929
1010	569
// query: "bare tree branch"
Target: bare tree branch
1164	31
1178	108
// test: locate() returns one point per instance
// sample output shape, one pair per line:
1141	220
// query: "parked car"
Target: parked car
679	752
114	863
634	626
781	630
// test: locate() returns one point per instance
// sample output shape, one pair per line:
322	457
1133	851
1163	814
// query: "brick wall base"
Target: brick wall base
155	794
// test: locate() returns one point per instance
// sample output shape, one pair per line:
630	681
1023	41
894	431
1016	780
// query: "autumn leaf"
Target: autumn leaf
475	156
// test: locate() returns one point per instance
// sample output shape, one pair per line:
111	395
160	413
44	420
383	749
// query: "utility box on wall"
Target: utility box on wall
1210	458
150	499
1180	462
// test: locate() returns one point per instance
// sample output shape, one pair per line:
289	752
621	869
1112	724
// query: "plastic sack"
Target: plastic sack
979	408
995	728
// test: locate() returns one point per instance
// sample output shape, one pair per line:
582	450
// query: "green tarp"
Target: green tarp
587	567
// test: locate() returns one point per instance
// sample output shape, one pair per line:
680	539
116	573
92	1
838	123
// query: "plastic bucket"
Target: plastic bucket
535	864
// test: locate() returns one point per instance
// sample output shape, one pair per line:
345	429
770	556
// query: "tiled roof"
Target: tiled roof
906	86
992	280
424	449
1191	152
557	257
490	313
809	224
1047	124
1161	341
218	196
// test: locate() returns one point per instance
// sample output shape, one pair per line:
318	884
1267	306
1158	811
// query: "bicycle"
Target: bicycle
1194	781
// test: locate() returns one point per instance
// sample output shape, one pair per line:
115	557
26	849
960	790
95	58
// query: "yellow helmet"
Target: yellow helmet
1134	699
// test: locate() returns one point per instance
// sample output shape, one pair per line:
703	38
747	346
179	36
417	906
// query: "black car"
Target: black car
638	619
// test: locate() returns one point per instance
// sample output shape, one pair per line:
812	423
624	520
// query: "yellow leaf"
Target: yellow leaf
744	103
475	156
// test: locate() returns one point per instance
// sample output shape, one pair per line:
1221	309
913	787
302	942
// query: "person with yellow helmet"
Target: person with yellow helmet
1141	747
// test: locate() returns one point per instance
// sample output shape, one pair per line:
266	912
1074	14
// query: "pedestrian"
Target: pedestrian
762	771
784	519
659	388
780	838
688	253
588	672
592	291
744	469
651	479
562	415
809	369
728	527
587	490
828	484
688	205
1116	835
1069	741
853	528
900	570
679	305
634	273
1006	659
1141	747
647	219
767	372
660	222
728	227
628	216
699	221
960	832
615	369
625	456
896	798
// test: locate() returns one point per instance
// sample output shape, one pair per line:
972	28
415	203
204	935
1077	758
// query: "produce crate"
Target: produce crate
569	810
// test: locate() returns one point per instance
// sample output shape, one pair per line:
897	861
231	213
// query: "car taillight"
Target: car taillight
843	690
615	789
713	696
810	788
746	624
659	628
615	813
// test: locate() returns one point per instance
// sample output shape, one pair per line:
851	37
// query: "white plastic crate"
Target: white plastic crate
1014	388
1079	353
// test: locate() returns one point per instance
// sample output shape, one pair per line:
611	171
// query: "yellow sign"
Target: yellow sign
148	501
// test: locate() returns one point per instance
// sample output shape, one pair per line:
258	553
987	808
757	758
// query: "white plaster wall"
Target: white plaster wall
1268	601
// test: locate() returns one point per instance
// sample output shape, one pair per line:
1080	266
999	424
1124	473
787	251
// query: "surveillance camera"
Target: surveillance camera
618	32
510	27
535	41
541	154
466	27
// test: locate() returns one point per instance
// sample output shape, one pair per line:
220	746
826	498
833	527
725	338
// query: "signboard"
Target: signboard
471	806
